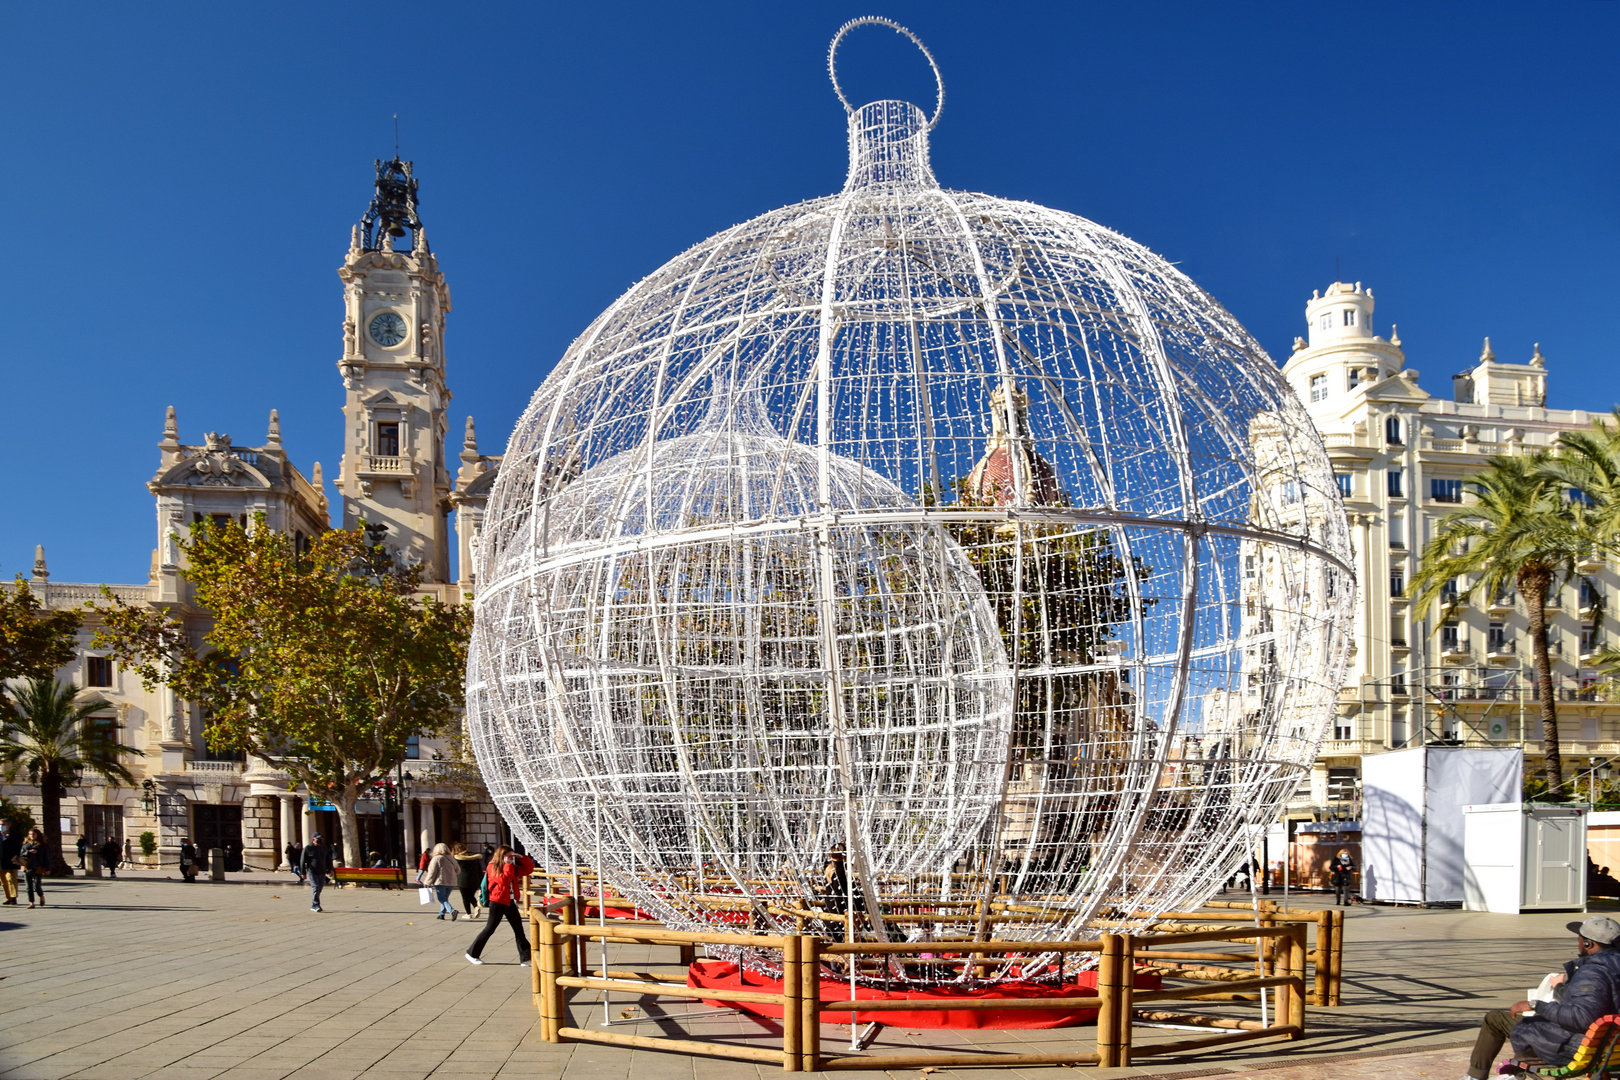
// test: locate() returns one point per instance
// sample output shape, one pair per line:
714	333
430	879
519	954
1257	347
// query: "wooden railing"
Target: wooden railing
559	965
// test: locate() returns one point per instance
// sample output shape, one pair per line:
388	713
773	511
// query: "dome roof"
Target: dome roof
1152	521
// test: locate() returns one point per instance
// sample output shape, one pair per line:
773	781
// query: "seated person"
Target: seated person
1552	1030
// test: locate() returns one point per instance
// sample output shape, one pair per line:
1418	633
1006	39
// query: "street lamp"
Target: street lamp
148	796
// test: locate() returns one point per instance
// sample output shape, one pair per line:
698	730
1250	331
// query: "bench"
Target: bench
1594	1057
369	875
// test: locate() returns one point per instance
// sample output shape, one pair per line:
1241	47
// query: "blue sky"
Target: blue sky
178	184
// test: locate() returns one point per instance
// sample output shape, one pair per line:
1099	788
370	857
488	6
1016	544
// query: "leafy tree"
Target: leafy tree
48	738
1058	594
21	820
323	662
1522	532
33	642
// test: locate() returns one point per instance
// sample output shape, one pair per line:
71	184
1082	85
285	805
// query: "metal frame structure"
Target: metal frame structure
950	559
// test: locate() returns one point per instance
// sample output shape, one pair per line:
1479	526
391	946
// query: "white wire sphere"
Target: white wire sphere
738	576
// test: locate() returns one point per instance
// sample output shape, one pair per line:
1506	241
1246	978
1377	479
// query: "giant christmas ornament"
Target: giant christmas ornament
945	557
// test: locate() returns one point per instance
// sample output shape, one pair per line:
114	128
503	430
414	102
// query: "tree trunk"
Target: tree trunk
352	855
50	808
1533	586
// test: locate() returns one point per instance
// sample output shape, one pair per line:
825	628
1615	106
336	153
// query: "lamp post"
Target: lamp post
397	830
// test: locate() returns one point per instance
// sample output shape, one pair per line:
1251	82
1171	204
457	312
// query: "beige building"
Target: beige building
394	475
1400	457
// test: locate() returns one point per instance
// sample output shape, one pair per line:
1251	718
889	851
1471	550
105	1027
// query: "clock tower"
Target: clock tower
393	472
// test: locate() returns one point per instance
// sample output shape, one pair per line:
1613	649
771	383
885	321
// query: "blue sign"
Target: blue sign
317	804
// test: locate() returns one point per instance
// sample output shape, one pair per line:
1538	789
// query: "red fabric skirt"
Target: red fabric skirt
723	975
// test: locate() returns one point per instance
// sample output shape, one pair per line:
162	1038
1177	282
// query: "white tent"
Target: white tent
1413	820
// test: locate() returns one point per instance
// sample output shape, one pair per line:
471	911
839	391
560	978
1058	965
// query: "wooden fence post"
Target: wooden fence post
792	1018
1322	955
534	954
810	1002
1126	992
1336	958
1296	968
575	944
1108	1014
545	961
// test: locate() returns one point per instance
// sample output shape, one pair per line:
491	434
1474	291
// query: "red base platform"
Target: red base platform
721	975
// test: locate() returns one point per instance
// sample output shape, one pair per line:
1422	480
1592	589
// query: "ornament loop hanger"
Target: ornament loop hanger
878	20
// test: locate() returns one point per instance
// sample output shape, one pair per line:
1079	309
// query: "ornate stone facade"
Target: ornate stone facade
393	474
1401	457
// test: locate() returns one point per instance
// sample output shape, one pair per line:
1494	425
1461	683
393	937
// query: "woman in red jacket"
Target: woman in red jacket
505	875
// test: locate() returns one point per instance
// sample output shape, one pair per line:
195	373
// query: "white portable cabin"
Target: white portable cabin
1412	820
1519	857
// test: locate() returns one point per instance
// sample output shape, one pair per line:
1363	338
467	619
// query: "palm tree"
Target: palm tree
47	736
1522	532
1588	462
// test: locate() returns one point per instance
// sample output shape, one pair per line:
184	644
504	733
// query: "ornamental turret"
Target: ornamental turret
394	472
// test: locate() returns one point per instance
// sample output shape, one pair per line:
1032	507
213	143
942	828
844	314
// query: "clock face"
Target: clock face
387	329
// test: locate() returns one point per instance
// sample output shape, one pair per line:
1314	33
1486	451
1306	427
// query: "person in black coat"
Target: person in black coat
11	842
295	859
1341	875
1552	1030
110	855
317	863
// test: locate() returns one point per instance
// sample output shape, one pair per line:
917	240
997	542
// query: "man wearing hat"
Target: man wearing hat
317	860
1552	1030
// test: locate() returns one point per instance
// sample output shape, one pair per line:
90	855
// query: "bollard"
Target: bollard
92	863
216	864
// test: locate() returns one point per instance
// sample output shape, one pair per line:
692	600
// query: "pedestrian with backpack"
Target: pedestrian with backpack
504	879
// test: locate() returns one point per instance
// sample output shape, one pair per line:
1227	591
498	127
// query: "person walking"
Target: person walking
11	842
317	864
1342	874
505	874
469	872
441	876
188	859
109	856
83	845
36	860
295	859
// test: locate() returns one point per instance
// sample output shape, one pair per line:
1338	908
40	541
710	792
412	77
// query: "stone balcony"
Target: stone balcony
216	768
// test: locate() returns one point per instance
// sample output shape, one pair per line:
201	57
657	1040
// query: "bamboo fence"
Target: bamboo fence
1279	956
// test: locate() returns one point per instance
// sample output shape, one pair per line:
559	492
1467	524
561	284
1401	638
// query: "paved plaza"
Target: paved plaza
146	977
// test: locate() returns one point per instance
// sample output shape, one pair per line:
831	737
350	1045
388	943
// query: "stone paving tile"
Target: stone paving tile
242	983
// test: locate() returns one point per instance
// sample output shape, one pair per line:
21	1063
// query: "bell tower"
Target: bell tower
393	472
